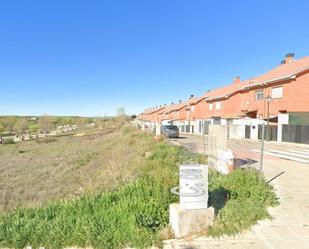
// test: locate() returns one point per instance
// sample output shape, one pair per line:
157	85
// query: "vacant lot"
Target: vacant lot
140	172
32	173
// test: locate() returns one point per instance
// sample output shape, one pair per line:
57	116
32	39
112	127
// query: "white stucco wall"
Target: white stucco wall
283	118
254	130
237	131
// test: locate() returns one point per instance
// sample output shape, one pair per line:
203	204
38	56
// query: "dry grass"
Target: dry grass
33	173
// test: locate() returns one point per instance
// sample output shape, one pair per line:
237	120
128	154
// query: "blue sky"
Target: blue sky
71	57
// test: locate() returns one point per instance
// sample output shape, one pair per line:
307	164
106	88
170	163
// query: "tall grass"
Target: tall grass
240	200
131	215
135	213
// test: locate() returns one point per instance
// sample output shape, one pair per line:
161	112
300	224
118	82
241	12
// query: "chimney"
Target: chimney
236	79
289	58
191	96
180	101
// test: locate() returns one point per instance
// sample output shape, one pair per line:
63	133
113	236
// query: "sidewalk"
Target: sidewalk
289	227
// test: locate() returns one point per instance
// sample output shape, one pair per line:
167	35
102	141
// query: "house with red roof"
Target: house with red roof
284	89
286	86
280	92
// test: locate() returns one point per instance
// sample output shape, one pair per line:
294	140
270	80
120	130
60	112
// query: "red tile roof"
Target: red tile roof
281	72
224	92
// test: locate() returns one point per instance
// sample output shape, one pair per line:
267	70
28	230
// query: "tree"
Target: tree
45	123
20	125
8	123
33	127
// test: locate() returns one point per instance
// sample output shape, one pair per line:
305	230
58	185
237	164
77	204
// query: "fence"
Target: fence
295	134
272	133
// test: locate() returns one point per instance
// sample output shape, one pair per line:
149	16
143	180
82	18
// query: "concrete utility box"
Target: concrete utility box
193	186
191	215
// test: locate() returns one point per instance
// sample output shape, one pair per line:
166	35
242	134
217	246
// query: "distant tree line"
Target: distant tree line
45	123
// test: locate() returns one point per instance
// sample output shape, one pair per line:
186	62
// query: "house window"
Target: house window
192	108
217	121
218	105
276	92
211	106
259	95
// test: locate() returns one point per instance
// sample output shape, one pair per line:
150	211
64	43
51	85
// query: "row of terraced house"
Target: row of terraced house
278	98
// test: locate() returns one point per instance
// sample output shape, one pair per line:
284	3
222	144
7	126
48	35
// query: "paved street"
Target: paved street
289	227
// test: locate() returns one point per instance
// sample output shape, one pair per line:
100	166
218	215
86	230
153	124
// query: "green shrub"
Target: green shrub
32	126
240	199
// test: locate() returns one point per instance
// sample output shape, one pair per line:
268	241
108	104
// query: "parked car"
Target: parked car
170	131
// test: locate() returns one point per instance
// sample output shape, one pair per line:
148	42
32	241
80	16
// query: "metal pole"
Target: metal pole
267	131
262	150
189	122
204	140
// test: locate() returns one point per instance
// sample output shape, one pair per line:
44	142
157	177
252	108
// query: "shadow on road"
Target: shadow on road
240	162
